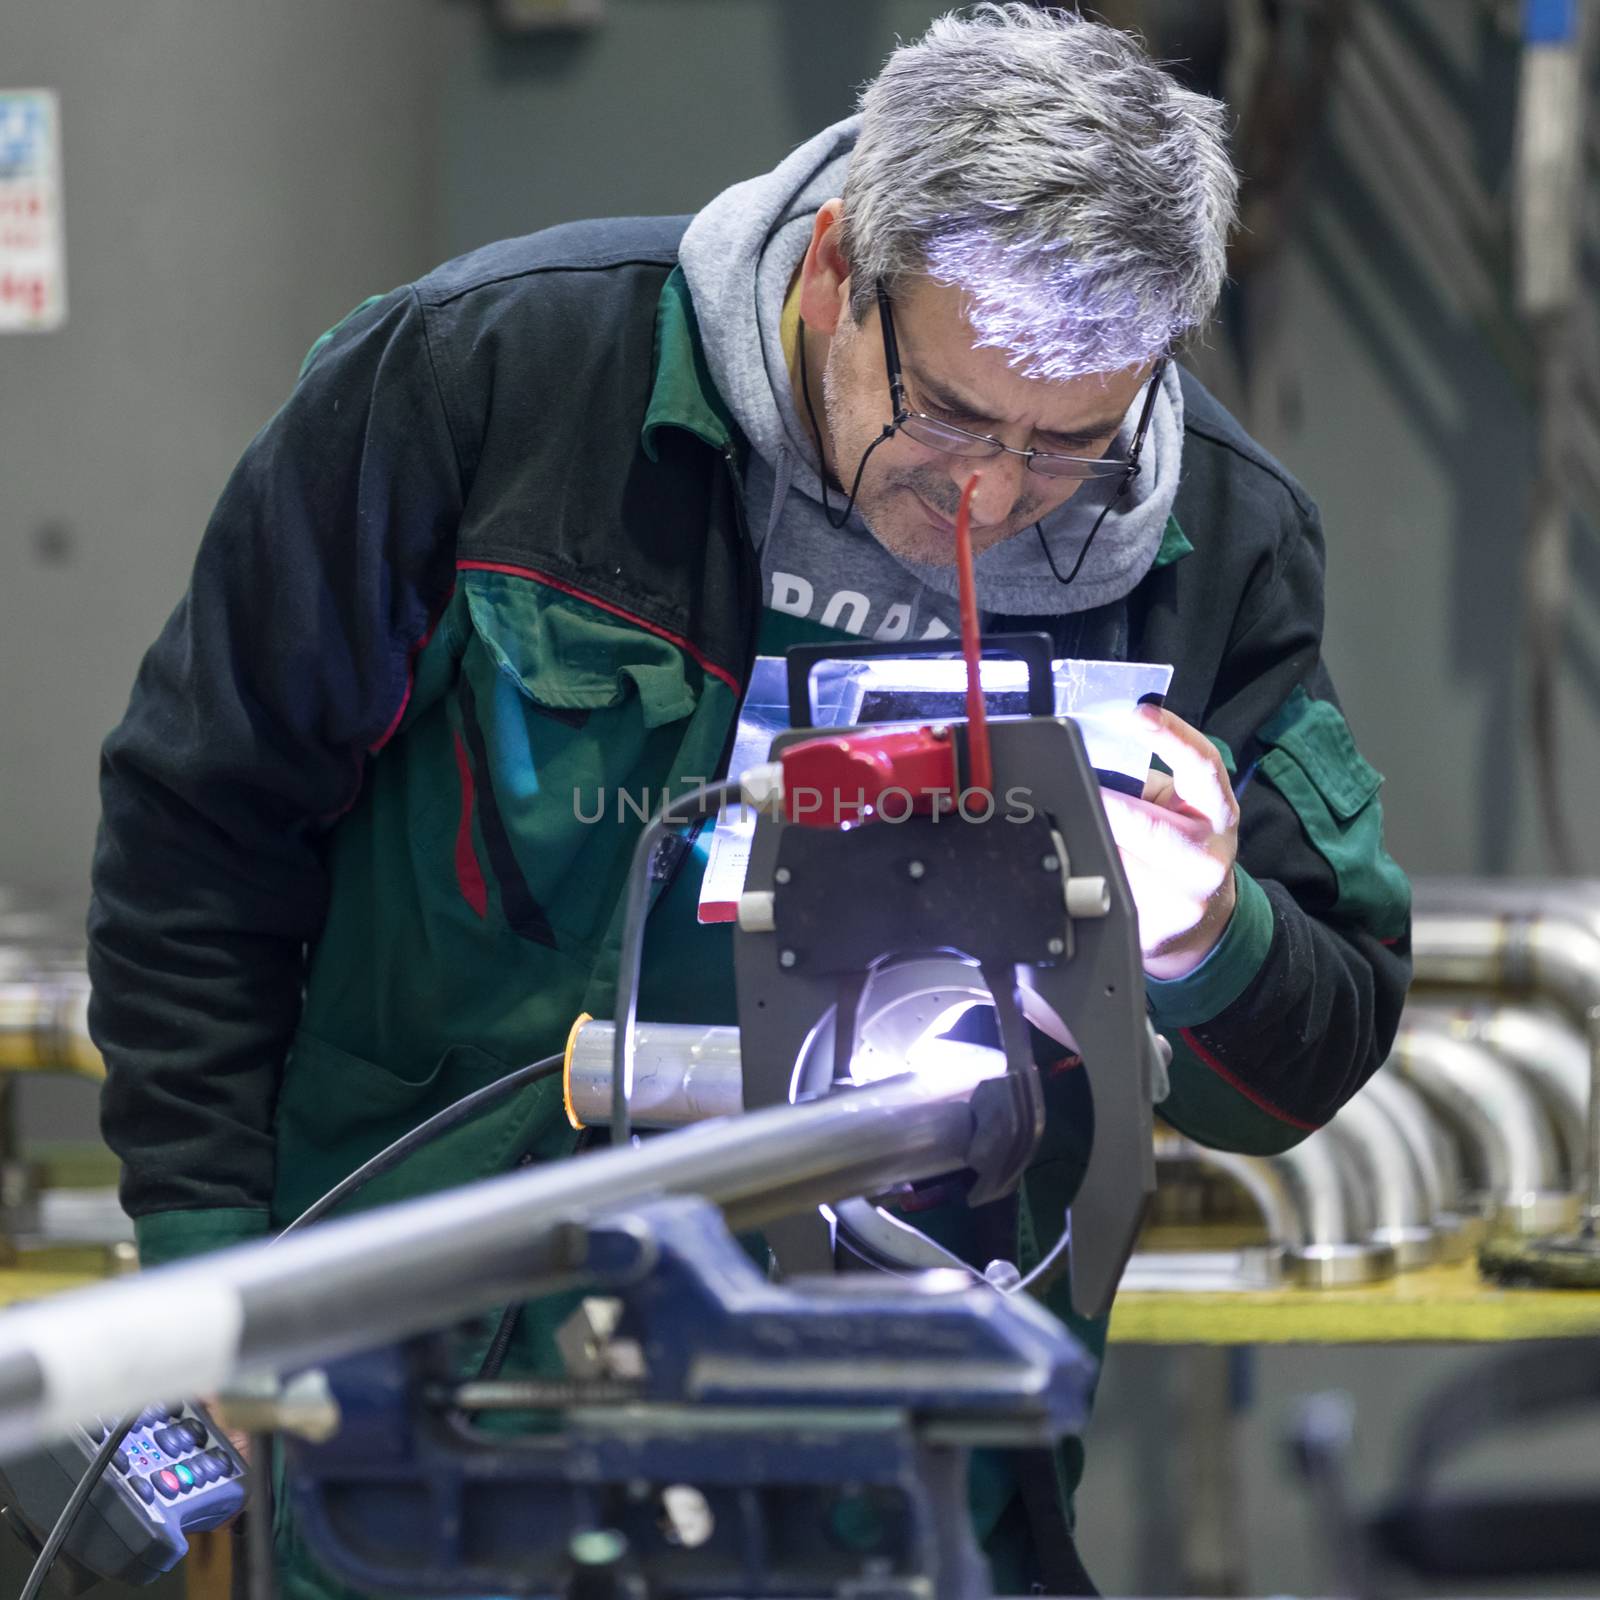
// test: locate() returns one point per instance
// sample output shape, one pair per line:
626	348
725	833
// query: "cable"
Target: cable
889	431
1044	1273
494	1358
76	1501
441	1122
705	801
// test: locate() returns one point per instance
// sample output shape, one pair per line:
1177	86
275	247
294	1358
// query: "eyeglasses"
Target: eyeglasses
951	440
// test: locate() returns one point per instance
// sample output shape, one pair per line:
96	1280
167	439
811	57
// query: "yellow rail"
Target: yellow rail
1435	1305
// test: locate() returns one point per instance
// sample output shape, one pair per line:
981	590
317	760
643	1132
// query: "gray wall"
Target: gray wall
654	113
236	177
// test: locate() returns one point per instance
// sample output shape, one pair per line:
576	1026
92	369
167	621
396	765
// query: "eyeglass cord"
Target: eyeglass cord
822	460
888	433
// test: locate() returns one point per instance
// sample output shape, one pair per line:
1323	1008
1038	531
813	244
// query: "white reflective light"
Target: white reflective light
947	1061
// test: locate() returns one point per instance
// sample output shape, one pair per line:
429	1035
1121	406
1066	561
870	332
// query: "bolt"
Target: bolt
1002	1275
916	869
1057	947
782	875
787	958
1051	863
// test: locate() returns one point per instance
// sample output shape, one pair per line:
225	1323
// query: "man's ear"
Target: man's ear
825	274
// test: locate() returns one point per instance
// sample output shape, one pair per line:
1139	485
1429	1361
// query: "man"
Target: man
520	530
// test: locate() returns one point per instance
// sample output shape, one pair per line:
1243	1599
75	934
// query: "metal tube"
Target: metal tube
350	1285
1321	1196
682	1073
1540	939
1544	1049
1404	1219
1438	1165
1567	963
1337	1218
1264	1184
44	1019
1506	1136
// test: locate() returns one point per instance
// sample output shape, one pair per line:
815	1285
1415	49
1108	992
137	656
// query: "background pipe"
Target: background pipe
1232	1268
1335	1246
1378	1149
1438	1163
1543	1048
1507	1140
1318	1217
1537	939
44	1020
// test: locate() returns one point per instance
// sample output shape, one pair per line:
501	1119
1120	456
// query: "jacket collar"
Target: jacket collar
1174	545
682	394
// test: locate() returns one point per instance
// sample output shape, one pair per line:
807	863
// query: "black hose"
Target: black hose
76	1501
441	1122
685	809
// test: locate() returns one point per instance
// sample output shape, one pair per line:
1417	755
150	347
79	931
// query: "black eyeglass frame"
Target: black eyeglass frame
1127	468
1096	467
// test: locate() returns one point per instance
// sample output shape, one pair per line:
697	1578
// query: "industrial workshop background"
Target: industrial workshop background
236	176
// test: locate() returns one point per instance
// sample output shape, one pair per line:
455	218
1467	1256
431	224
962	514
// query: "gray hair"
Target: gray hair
1077	195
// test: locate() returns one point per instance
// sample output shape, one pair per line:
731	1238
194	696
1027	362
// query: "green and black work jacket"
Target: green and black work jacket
488	565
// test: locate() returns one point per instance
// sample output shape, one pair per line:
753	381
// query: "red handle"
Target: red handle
978	757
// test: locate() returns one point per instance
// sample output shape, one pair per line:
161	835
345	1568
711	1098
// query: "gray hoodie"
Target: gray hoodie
739	256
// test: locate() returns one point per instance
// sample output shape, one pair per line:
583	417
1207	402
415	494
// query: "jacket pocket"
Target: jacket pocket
568	654
1310	758
569	722
337	1109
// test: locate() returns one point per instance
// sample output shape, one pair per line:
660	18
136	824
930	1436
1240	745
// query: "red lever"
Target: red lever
843	781
977	712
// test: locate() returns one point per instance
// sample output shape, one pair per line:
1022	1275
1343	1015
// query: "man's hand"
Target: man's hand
1178	846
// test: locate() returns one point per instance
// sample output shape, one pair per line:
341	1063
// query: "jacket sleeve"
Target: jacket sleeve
1299	1003
284	667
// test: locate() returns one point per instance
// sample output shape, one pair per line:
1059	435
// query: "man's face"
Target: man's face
909	493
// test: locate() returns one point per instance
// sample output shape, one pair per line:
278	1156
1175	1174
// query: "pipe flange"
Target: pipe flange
1458	1236
1413	1246
1340	1266
1533	1215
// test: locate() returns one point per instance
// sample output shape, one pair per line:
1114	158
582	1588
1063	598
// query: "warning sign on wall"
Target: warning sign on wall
33	272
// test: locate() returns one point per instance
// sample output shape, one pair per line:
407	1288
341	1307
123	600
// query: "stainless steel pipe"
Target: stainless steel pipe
44	1021
1506	1137
1539	939
1403	1215
1438	1165
1335	1246
682	1073
1320	1218
350	1285
1539	1045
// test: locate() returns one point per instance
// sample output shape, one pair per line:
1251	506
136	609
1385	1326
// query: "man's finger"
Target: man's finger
1165	841
1198	774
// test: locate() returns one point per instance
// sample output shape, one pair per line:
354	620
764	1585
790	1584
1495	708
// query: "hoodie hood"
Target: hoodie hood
739	256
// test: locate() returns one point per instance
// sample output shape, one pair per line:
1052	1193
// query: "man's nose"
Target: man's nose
999	486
